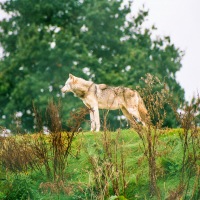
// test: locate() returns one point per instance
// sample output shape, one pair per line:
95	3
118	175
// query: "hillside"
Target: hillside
105	165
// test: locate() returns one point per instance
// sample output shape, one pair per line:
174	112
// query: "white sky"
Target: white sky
179	19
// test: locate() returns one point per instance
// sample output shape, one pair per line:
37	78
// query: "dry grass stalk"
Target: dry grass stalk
189	119
108	166
17	155
155	97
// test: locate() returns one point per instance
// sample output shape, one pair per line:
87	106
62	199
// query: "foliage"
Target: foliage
45	40
17	155
20	188
190	140
155	100
145	163
108	173
78	182
37	152
171	166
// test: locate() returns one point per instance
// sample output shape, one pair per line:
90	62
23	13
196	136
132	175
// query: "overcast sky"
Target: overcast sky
179	19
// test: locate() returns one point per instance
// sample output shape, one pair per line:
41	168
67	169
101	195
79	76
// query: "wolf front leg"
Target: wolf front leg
96	118
92	121
92	104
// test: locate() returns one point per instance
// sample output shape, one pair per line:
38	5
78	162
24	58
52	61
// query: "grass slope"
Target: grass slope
103	162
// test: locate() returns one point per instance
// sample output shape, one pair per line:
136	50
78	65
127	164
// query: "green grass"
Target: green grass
77	183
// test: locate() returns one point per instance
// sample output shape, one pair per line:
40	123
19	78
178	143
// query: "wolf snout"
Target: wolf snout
63	90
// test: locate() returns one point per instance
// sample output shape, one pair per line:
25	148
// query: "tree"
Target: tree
44	40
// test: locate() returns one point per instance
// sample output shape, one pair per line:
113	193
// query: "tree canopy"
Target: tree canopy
43	41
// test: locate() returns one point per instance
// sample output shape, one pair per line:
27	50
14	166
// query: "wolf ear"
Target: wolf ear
71	76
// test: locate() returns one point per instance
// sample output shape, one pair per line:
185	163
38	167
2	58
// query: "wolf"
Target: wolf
102	96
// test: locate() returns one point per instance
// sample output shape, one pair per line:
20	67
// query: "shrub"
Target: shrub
20	188
108	173
170	166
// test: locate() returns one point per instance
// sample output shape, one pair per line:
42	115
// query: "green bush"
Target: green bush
170	166
20	189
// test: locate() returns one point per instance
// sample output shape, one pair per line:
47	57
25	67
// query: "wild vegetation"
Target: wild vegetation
107	165
141	163
44	41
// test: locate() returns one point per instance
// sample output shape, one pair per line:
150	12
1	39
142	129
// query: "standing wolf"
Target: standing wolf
101	96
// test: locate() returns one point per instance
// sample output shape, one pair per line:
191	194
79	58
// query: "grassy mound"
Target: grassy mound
104	165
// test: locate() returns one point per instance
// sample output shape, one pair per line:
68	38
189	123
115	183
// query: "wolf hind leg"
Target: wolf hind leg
136	115
128	115
133	115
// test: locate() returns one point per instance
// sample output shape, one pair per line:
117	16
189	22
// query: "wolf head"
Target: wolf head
68	84
78	86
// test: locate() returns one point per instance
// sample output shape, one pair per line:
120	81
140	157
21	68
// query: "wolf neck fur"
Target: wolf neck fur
81	91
